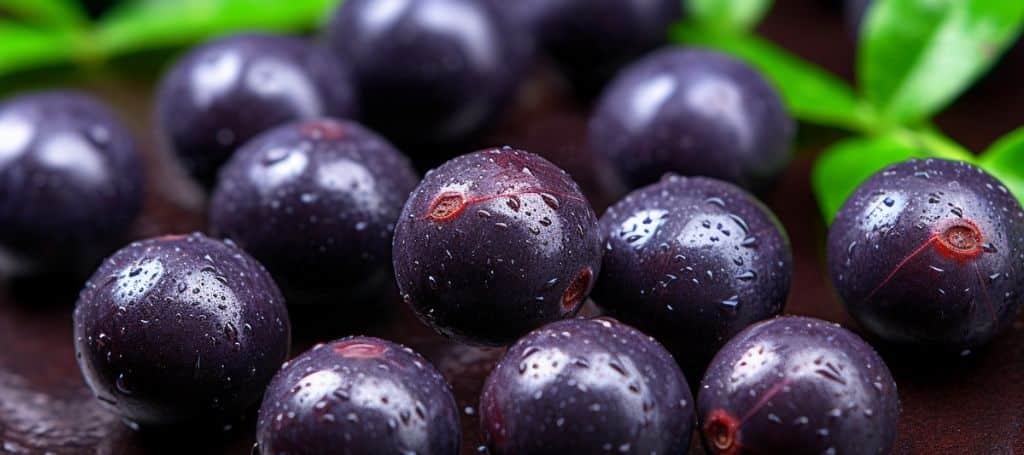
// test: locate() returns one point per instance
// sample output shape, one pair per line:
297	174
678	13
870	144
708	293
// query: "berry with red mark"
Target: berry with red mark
797	385
927	252
494	244
587	386
358	395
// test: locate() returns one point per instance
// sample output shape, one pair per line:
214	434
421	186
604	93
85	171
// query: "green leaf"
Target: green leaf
727	14
154	24
916	56
26	47
1005	160
45	12
844	165
810	93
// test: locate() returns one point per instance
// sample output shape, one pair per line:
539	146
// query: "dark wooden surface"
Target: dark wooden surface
968	405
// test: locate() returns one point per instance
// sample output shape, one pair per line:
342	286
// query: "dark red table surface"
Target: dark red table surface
969	405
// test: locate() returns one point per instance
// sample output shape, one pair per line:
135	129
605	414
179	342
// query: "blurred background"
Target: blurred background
118	50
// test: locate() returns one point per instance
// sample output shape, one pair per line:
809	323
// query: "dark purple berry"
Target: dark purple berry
180	330
854	12
693	261
221	94
494	244
316	202
926	252
587	386
429	71
797	385
359	395
693	112
592	39
70	182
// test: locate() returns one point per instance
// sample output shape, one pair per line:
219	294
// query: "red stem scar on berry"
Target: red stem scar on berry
720	433
323	129
172	236
451	204
573	296
961	240
446	206
359	350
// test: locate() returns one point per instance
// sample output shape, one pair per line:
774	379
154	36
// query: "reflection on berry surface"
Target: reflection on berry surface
316	202
494	244
587	386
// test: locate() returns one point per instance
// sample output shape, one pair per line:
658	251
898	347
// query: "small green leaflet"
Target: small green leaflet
916	56
736	15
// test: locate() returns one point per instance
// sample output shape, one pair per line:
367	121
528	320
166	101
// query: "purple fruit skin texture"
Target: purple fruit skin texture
435	72
693	112
316	202
501	266
70	180
587	386
692	261
897	281
180	330
382	399
805	386
592	39
222	93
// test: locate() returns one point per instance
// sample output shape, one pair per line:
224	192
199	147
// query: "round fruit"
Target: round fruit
429	71
494	244
693	261
592	39
797	385
926	252
587	386
359	395
221	94
180	330
316	202
70	182
693	112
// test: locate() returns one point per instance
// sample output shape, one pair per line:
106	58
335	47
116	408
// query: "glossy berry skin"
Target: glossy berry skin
693	112
180	330
692	261
429	71
70	182
224	92
926	252
494	244
316	202
797	385
592	39
587	386
355	396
